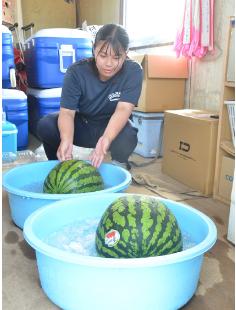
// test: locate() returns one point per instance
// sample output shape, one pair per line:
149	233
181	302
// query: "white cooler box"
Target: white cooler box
42	102
49	53
150	132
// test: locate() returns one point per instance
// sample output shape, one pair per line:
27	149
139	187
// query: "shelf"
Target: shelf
224	140
230	84
228	147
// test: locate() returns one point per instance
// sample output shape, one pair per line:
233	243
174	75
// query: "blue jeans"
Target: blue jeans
86	134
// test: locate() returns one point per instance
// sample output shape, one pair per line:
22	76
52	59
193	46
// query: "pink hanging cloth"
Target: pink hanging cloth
196	35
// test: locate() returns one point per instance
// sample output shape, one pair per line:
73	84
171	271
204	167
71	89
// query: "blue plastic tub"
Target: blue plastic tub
24	185
7	57
49	52
73	281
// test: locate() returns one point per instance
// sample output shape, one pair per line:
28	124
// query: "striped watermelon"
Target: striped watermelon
72	177
137	226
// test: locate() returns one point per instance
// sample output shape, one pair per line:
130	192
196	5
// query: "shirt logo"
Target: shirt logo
114	96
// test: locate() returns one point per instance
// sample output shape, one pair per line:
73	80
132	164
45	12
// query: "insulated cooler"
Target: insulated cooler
150	132
8	65
42	102
14	103
49	53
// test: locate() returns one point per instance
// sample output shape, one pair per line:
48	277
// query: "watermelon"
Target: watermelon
72	177
137	226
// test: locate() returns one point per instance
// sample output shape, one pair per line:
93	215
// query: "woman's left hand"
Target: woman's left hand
100	151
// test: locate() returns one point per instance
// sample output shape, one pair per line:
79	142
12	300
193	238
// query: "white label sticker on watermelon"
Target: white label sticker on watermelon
112	237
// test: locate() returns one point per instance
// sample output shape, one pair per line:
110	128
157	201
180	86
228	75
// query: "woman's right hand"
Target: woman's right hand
64	151
66	128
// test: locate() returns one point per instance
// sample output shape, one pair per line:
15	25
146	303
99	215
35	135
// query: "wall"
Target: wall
99	12
48	14
207	74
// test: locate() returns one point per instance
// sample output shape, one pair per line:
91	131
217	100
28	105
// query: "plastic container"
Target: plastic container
9	140
8	65
49	52
73	281
42	102
15	105
24	185
150	133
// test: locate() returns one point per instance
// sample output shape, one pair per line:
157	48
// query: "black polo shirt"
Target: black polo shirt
84	92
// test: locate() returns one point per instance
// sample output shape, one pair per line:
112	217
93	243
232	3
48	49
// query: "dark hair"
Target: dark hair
115	36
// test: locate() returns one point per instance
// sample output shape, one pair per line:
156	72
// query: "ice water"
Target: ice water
79	238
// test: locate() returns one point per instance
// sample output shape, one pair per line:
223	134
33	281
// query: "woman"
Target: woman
98	97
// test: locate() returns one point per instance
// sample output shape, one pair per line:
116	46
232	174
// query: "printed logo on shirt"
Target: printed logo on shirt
114	96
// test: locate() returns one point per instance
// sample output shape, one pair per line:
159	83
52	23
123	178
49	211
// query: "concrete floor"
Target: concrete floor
21	285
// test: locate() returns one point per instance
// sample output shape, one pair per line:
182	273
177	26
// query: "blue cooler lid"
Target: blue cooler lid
61	33
13	94
14	100
5	29
55	36
45	93
148	115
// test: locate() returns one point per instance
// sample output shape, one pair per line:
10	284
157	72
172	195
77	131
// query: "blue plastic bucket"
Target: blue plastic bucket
24	185
73	281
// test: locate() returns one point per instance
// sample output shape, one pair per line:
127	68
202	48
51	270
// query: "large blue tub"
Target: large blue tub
76	282
24	185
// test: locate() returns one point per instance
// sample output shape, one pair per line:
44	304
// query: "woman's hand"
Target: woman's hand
64	151
98	154
66	128
115	125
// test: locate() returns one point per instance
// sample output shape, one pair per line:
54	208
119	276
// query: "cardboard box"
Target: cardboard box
163	82
226	177
189	149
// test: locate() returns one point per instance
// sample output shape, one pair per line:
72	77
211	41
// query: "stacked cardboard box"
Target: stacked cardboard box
163	82
163	88
189	149
226	177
